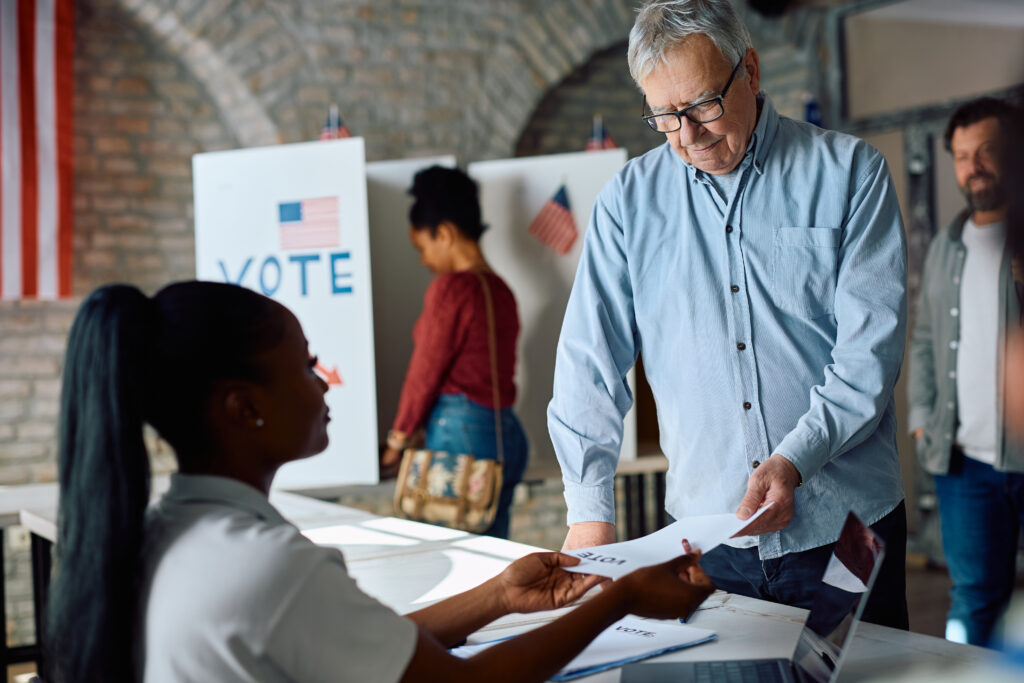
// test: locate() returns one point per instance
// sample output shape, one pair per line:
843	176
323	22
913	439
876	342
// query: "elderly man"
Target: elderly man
759	265
968	306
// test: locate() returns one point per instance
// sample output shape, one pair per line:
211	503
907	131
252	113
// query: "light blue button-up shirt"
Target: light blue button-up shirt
771	320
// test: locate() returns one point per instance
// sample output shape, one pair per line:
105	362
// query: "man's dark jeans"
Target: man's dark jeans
981	511
794	579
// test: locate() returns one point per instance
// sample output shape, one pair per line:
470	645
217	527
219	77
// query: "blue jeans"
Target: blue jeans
981	511
794	579
459	425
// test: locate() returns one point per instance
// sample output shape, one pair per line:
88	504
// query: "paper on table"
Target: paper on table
704	532
627	640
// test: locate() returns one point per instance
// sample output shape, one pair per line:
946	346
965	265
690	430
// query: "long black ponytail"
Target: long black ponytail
104	481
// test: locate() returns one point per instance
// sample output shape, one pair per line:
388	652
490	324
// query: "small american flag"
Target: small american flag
309	224
600	138
554	225
334	128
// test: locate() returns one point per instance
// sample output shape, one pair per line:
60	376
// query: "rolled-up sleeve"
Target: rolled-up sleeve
596	348
870	310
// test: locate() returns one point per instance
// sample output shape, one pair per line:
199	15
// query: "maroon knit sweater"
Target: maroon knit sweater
450	353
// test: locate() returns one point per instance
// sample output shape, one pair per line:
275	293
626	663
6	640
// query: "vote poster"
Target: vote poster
290	221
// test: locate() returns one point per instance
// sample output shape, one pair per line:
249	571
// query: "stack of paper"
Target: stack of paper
627	640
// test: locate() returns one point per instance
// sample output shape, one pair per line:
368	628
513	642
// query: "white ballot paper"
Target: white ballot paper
627	640
704	532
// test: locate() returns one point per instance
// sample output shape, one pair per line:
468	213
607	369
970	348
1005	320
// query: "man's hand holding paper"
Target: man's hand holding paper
771	484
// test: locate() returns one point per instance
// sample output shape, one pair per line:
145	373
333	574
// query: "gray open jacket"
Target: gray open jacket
931	386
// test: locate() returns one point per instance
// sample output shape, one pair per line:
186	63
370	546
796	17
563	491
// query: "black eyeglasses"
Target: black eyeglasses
702	112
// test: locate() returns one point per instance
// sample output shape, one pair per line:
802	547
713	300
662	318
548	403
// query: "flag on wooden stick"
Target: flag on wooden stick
36	87
600	138
334	128
555	225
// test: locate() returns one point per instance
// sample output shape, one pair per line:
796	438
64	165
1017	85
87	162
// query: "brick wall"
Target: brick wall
158	81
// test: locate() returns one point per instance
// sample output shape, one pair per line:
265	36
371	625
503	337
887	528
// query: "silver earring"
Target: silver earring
259	421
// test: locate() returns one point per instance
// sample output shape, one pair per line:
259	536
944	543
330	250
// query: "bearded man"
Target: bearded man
957	384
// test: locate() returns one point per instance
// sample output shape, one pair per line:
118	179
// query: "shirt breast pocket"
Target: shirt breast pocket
805	264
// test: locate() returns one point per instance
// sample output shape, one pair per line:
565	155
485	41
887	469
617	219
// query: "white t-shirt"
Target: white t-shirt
233	592
977	358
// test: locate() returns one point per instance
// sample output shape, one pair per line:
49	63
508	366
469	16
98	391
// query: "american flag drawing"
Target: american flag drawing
334	128
600	138
36	88
554	225
309	224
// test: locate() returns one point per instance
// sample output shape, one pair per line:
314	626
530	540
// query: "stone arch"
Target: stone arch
548	45
242	113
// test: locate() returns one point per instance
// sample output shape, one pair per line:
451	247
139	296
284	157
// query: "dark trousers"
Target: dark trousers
794	579
981	511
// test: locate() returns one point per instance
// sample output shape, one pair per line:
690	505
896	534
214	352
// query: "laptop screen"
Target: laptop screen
839	602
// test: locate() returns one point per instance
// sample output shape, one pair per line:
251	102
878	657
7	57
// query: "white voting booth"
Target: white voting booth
301	223
290	221
512	192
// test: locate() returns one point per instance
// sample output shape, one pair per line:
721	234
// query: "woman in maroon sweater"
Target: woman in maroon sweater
448	389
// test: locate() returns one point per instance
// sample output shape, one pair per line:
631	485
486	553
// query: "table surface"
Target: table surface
407	566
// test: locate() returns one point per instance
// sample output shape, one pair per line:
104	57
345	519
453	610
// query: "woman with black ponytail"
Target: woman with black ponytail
210	583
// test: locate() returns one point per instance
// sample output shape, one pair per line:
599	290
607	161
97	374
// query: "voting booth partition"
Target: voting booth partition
399	281
512	193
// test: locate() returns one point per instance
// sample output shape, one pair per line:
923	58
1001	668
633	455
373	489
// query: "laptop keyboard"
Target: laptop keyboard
738	672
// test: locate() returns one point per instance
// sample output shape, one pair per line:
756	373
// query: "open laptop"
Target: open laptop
826	635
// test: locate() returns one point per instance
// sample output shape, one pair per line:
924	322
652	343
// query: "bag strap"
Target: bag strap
492	344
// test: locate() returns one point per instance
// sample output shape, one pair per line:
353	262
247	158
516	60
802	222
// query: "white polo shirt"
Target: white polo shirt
231	591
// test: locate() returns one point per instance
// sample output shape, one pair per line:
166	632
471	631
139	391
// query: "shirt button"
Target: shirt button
734	289
755	464
954	312
746	405
741	346
953	344
952	374
728	228
948	436
950	405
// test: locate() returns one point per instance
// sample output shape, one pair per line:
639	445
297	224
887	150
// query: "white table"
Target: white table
408	566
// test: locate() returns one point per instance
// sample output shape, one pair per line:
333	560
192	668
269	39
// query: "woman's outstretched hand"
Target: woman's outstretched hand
670	590
538	582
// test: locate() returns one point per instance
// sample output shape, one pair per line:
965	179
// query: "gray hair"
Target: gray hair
664	24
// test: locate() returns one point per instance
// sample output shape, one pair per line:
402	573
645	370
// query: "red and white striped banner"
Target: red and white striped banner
36	87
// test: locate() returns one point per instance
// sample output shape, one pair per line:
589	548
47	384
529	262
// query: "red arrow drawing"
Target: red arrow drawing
331	376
